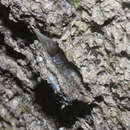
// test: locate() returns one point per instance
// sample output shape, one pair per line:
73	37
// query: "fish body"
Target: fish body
72	86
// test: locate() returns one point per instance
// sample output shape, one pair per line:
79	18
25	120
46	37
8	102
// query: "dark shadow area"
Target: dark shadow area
109	21
19	29
86	85
98	28
80	128
99	98
14	54
10	51
1	39
99	1
125	54
9	75
3	120
125	5
51	104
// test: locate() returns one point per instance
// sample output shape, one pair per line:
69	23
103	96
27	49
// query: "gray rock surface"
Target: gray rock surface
93	36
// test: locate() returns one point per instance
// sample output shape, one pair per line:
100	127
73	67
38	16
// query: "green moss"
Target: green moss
5	129
25	109
56	31
119	116
81	27
4	118
77	4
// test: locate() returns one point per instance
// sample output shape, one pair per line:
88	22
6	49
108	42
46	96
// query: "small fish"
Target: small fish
52	49
72	87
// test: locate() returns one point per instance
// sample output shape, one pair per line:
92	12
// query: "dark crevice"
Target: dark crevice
99	98
86	85
108	21
51	104
23	16
1	39
98	28
125	5
2	119
80	128
14	54
99	1
118	101
113	85
19	29
123	54
8	74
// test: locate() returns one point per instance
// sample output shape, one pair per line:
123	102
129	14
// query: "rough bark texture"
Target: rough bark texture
94	39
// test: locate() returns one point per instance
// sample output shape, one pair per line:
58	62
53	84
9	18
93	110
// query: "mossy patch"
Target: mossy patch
117	118
82	26
77	4
25	109
4	118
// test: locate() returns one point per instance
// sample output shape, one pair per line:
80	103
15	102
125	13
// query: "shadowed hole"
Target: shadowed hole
125	5
19	29
51	104
14	54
